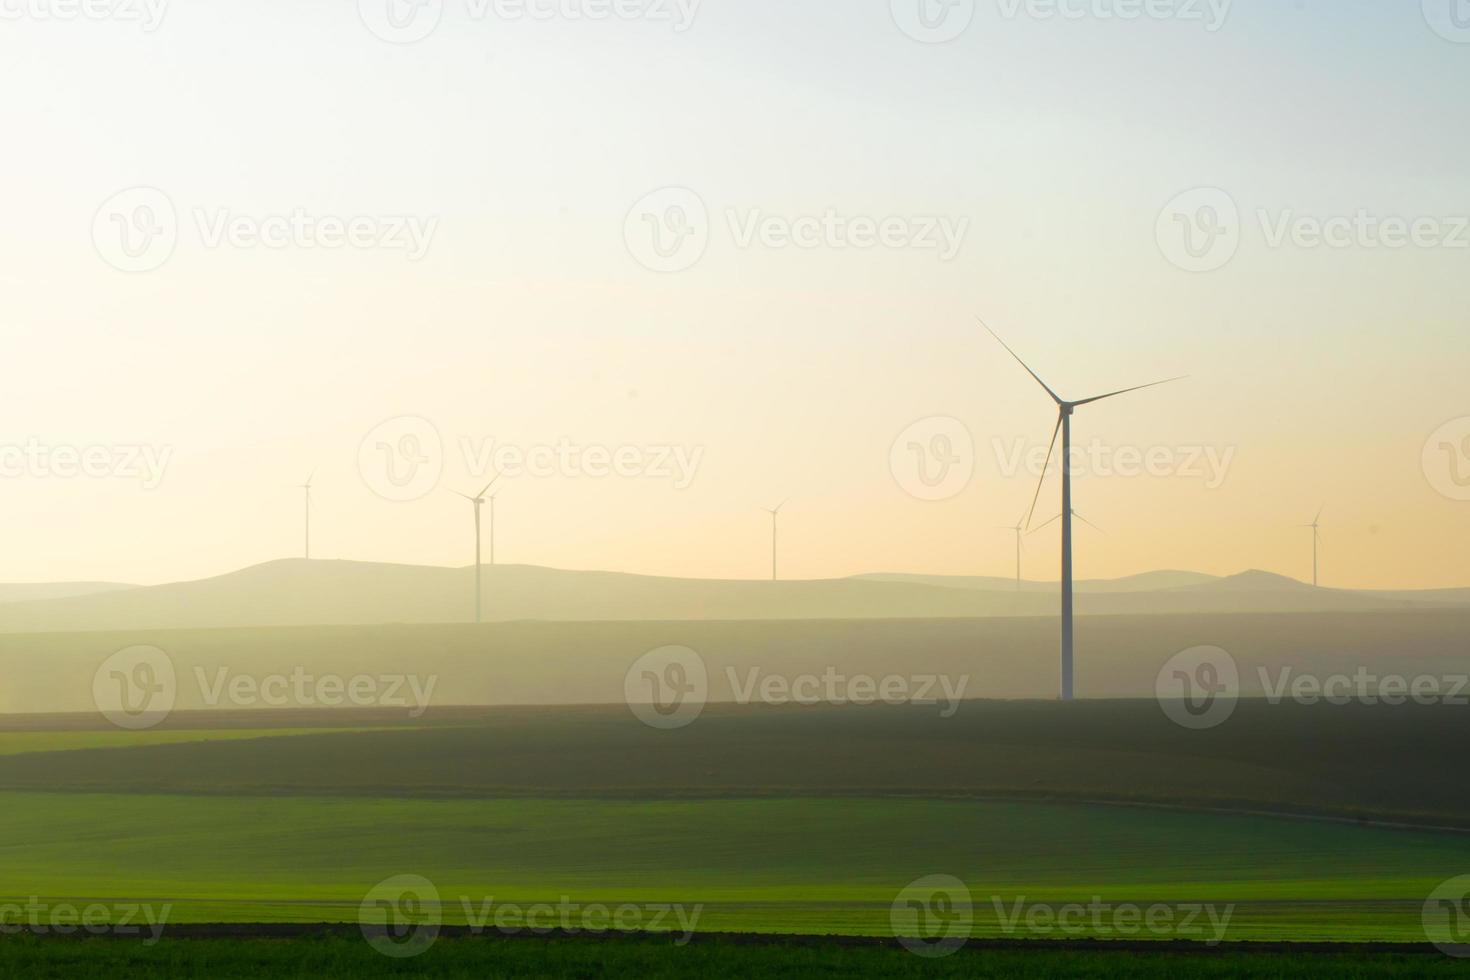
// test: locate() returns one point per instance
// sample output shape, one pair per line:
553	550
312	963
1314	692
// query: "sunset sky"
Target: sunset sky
532	317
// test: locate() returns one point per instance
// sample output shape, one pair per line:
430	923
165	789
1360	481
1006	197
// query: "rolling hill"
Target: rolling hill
305	593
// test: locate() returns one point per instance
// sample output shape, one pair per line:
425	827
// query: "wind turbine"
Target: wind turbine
306	490
775	512
1316	527
1019	528
1065	409
477	501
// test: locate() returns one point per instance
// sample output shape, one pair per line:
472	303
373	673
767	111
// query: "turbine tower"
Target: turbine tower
1019	528
305	488
775	512
492	526
1065	409
1316	527
477	501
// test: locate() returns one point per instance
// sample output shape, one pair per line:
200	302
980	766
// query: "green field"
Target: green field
470	959
797	866
803	821
1355	762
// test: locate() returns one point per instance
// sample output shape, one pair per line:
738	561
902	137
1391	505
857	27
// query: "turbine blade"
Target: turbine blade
1044	467
1088	523
1054	396
1042	527
1125	391
1318	518
488	486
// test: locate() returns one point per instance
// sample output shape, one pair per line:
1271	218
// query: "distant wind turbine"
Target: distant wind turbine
1064	426
306	491
1019	528
775	513
1316	527
477	501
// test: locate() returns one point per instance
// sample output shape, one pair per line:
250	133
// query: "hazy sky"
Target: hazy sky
1052	150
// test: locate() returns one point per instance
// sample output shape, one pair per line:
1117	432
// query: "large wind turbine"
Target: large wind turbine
306	490
1065	409
477	501
775	513
1316	527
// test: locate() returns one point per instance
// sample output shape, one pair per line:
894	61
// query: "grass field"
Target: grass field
1324	824
796	866
1353	762
474	959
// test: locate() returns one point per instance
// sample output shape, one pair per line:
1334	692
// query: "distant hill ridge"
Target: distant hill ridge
296	592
